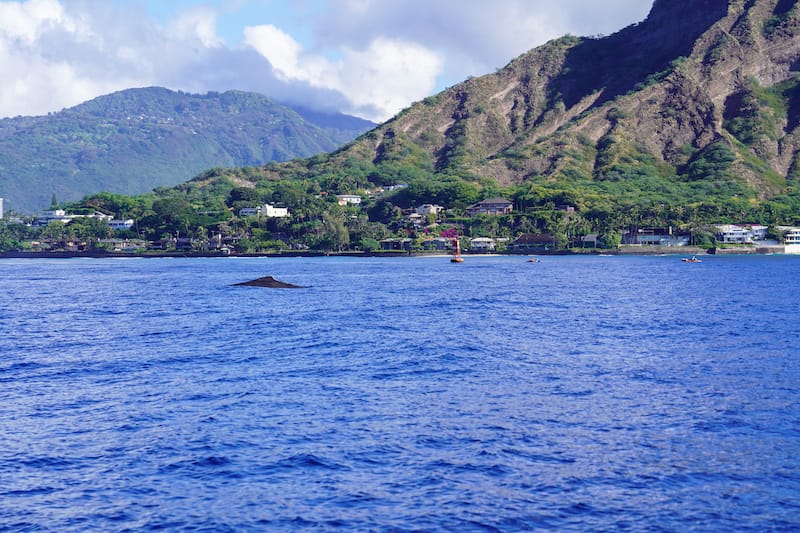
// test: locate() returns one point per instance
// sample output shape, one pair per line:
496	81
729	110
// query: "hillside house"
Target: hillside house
591	240
396	244
348	199
266	211
740	233
119	225
492	206
533	241
482	244
791	235
416	220
656	237
791	239
439	244
59	215
428	209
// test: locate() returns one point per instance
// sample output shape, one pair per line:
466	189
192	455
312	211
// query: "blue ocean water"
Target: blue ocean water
406	394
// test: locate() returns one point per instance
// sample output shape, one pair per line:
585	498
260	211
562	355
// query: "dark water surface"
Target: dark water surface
575	394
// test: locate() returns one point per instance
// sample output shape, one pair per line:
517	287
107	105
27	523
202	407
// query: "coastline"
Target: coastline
622	251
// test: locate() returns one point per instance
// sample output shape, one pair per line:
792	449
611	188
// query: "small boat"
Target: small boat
534	260
692	259
456	252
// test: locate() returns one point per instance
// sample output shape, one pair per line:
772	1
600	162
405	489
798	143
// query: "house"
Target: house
52	215
266	211
59	215
271	211
348	199
791	235
590	240
396	244
120	224
438	243
482	244
656	237
417	220
124	245
740	233
533	241
184	244
492	206
428	209
162	244
791	239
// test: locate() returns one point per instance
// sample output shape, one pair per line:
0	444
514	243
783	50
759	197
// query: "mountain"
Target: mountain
699	102
135	140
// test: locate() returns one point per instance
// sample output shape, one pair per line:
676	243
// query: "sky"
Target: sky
369	58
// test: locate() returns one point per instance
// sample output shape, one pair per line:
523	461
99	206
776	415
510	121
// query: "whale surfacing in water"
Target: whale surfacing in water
268	282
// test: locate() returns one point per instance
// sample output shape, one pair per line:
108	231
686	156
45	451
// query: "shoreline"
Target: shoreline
623	251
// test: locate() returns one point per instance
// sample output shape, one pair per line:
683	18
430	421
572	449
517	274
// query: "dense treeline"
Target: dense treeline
626	194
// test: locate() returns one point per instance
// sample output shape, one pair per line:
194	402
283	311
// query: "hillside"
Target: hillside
697	103
135	140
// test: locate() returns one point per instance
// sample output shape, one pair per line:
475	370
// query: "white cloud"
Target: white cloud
474	36
199	23
365	57
377	80
25	21
388	75
280	49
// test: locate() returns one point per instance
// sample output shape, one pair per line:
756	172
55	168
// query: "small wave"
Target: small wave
212	461
308	460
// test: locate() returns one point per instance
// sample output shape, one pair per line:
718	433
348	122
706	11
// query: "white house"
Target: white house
417	220
59	215
52	215
741	234
348	199
266	210
790	235
427	209
655	237
791	239
482	244
270	211
121	224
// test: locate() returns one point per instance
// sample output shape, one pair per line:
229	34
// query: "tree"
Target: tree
369	244
610	240
55	231
334	234
244	195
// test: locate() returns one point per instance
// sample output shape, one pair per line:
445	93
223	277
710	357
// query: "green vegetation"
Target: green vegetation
629	189
758	113
132	141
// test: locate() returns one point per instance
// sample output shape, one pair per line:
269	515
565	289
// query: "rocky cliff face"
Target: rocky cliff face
696	82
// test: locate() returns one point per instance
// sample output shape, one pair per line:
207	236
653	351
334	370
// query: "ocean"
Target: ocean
403	394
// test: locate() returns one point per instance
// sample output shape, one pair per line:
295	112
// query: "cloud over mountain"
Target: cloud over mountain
364	57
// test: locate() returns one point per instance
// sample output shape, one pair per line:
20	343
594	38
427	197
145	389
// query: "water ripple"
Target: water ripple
400	395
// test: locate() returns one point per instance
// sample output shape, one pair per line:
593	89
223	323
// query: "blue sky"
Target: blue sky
369	58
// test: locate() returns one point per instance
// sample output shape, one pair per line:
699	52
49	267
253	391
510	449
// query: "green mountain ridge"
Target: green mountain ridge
135	140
